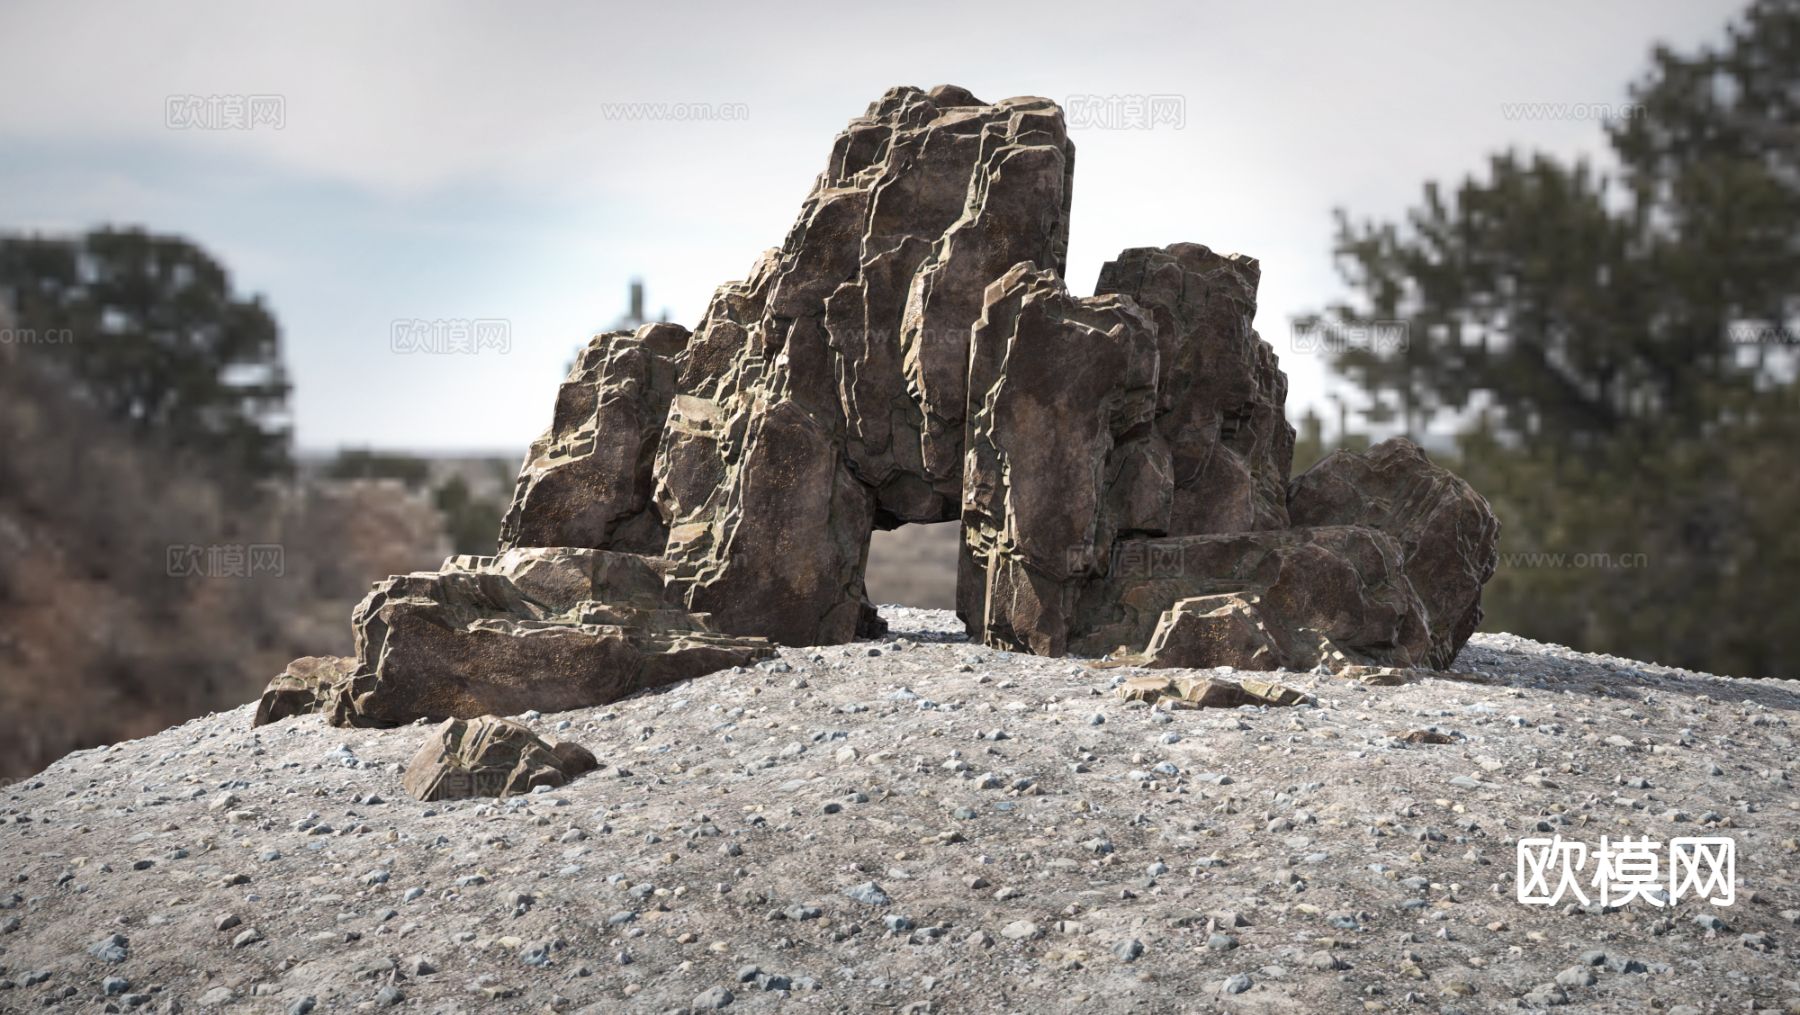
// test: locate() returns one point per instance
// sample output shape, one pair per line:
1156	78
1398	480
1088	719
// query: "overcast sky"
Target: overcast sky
445	161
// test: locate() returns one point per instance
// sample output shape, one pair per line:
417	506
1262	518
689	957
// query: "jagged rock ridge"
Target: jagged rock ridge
911	353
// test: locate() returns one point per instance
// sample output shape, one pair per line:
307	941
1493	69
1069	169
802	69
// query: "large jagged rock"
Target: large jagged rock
491	757
587	480
1221	396
840	404
546	629
1059	461
826	394
1448	535
1194	439
910	354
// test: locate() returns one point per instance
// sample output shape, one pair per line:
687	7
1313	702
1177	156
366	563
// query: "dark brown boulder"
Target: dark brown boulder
1448	535
826	395
1221	395
1068	392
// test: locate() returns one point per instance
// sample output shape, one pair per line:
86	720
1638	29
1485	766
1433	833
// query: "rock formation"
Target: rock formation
547	629
1447	534
309	684
489	756
910	354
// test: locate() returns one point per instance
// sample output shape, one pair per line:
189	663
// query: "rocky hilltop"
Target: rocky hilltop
925	824
1198	735
911	354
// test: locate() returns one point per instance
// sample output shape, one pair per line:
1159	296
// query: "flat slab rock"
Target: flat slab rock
1024	824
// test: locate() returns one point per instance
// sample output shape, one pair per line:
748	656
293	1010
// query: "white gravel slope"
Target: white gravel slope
1035	844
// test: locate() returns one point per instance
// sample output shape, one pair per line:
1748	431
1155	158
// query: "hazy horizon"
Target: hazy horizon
473	163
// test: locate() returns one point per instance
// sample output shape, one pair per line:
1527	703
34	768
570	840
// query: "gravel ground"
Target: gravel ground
923	825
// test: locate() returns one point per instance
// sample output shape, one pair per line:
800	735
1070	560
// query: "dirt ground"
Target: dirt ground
923	825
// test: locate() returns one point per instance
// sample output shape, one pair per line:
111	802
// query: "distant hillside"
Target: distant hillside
137	589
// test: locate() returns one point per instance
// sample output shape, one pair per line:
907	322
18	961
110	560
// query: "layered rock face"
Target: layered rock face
825	395
911	354
547	629
586	481
1293	598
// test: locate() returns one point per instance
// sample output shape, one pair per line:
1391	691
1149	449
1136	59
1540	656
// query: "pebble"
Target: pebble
869	893
1019	930
1576	976
111	948
712	999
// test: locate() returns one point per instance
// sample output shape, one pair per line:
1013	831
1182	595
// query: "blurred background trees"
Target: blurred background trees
146	450
163	347
1615	355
